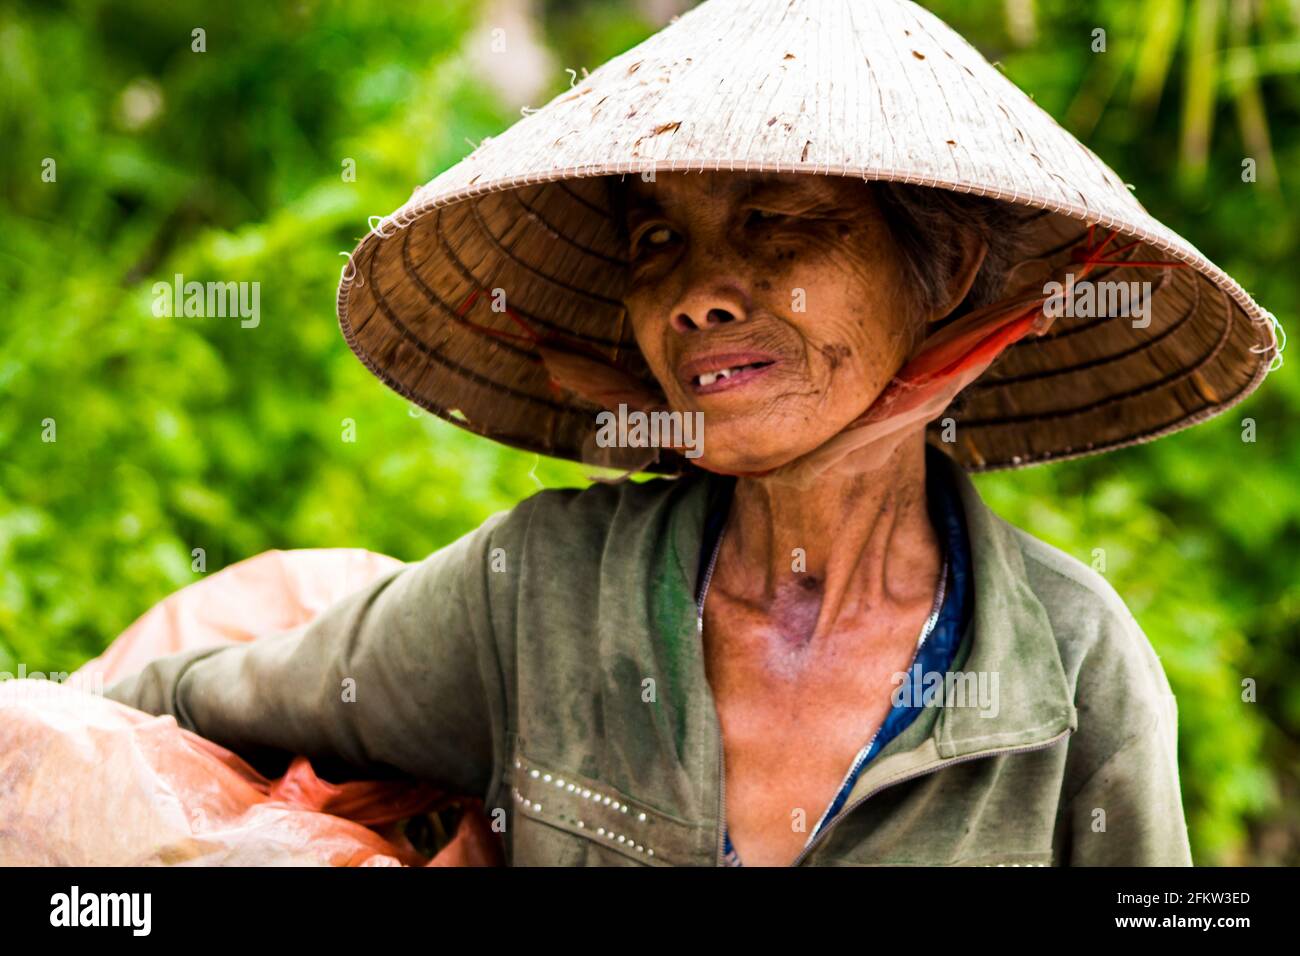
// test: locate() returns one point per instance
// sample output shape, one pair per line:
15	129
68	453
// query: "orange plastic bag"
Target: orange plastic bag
90	782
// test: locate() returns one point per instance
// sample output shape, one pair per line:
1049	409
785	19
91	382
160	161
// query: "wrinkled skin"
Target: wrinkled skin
727	262
800	660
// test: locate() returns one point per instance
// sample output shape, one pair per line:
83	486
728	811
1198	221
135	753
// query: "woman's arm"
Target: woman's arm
402	674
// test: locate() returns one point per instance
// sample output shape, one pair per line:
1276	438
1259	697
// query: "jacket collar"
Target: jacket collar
1010	647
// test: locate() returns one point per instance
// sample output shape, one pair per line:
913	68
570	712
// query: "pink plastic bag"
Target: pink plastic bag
90	782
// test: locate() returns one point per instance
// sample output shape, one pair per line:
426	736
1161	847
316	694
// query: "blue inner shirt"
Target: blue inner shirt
934	656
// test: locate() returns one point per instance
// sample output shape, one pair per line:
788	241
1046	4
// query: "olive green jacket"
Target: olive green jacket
550	662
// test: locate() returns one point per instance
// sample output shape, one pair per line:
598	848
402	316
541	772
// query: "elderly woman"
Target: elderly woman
814	644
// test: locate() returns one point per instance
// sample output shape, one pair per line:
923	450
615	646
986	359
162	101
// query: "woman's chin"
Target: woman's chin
731	460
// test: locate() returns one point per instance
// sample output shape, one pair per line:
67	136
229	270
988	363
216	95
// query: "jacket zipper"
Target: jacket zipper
699	632
853	768
821	836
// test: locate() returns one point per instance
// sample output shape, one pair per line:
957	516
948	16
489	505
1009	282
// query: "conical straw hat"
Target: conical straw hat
875	89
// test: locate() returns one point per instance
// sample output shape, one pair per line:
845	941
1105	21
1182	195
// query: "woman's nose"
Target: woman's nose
705	309
686	322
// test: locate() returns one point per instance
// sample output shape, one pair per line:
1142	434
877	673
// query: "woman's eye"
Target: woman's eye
656	238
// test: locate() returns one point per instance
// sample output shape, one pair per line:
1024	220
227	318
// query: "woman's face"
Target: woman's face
774	304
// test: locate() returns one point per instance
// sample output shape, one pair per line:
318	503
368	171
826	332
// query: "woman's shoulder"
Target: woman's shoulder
1105	653
580	521
1064	581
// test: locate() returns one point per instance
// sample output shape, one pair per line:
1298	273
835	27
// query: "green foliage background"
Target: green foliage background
176	434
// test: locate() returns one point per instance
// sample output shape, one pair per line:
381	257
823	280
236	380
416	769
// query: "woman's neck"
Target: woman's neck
846	548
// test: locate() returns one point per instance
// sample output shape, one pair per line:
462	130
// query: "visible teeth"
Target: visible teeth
708	378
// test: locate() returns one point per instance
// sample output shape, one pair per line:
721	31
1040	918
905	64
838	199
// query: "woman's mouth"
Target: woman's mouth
720	373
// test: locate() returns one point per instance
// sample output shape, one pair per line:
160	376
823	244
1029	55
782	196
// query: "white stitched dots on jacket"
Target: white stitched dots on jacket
536	807
1017	864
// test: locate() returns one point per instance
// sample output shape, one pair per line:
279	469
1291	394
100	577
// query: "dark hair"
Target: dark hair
923	220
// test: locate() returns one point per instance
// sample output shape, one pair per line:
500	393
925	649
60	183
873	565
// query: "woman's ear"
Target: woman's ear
972	252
